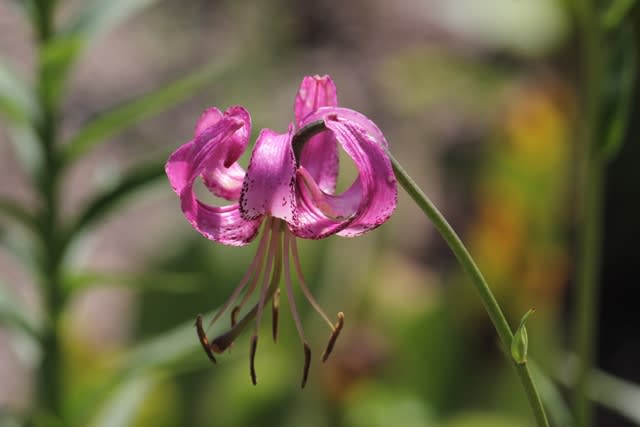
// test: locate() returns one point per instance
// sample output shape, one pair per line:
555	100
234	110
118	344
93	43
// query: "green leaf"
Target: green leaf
520	341
15	211
123	407
17	101
616	13
99	16
175	351
7	419
27	148
616	394
620	74
12	313
30	10
157	281
104	203
121	117
57	57
555	403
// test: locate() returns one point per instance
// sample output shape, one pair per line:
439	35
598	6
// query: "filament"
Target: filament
274	248
253	271
303	285
294	310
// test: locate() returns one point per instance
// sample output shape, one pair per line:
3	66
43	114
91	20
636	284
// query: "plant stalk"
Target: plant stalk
50	378
590	188
488	300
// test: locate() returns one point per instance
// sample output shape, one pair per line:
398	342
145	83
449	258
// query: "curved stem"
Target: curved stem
464	258
468	264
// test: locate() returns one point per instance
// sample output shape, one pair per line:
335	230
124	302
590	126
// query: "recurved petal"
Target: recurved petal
372	197
205	156
315	92
222	224
320	214
213	153
269	185
320	153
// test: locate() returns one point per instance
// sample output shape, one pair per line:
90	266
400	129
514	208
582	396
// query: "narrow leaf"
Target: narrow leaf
17	101
122	408
29	9
103	203
174	351
617	11
555	403
614	393
158	281
14	314
100	16
621	67
16	212
57	56
119	118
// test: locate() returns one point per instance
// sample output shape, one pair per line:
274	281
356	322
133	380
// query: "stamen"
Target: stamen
253	271
274	255
252	358
307	364
275	309
317	196
222	342
334	336
234	315
203	338
301	281
294	309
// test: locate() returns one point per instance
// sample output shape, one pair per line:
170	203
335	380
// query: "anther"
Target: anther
334	336
234	315
202	335
221	343
307	364
252	357
274	314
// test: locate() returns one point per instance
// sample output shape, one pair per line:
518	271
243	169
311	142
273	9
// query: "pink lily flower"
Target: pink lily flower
289	193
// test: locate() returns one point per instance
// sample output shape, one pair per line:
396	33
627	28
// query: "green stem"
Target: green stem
50	376
464	258
591	191
488	300
587	288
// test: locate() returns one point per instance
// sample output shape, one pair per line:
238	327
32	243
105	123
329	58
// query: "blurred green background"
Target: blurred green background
479	103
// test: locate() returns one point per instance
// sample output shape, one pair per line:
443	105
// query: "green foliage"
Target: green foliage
100	16
520	342
621	65
105	202
17	102
167	281
170	353
14	314
56	57
616	12
121	117
15	211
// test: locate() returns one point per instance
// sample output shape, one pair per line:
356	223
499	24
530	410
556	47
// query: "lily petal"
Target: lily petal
372	197
315	92
214	146
320	153
223	176
222	224
269	186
